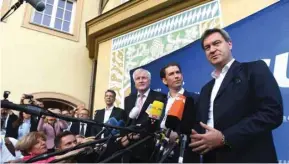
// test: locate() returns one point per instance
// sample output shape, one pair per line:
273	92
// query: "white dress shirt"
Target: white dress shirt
3	131
170	102
218	81
107	113
69	126
85	126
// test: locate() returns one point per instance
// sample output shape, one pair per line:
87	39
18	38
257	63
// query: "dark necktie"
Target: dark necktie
82	129
2	123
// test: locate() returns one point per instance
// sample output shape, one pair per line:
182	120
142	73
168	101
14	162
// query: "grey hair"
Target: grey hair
141	70
208	32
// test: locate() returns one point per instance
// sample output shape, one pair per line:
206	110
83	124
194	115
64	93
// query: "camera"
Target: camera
6	94
27	96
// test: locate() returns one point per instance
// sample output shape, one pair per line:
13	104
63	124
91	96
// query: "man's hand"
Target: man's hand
88	139
204	143
125	140
22	99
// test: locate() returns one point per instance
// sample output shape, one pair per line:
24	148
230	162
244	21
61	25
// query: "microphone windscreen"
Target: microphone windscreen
175	114
134	113
112	121
120	123
155	110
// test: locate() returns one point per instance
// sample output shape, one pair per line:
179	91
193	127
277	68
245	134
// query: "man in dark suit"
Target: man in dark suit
171	76
7	119
80	128
140	101
109	111
238	109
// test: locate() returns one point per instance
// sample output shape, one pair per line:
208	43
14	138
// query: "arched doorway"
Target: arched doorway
57	100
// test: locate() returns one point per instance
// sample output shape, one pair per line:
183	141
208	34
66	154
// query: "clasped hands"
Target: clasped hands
203	143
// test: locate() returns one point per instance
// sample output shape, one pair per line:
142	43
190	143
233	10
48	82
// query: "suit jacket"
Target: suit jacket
117	113
10	131
142	153
187	123
13	131
247	107
129	103
75	129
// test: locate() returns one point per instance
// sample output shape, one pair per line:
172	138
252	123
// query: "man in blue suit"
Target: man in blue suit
238	109
171	76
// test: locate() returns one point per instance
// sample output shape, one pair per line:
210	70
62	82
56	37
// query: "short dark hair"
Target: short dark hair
163	70
111	91
58	138
208	32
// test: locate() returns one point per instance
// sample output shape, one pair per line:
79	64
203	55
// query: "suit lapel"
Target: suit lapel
87	132
149	99
101	115
132	101
113	112
147	102
228	78
206	100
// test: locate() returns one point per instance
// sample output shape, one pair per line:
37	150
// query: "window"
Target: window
60	18
58	14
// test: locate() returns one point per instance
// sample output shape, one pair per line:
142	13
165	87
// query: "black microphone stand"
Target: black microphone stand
165	156
44	156
35	110
14	7
126	149
104	148
83	152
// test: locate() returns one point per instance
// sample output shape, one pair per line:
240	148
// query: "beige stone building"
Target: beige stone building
74	50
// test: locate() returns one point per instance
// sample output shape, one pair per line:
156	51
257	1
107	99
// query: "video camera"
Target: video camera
28	96
6	94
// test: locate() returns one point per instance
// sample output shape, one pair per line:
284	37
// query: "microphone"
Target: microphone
109	145
55	153
33	110
37	4
182	147
133	114
173	120
155	110
120	123
110	121
175	113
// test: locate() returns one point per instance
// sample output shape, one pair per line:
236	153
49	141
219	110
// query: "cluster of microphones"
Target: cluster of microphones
113	128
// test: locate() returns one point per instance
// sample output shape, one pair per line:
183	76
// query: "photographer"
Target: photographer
23	125
31	100
7	118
